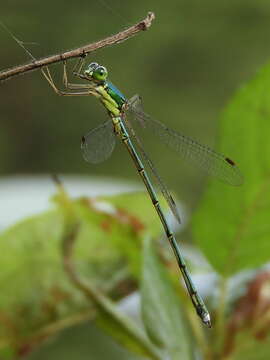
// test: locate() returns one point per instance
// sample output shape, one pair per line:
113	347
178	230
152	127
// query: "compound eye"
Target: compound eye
100	73
93	65
102	70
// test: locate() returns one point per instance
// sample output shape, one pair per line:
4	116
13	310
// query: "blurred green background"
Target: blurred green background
185	67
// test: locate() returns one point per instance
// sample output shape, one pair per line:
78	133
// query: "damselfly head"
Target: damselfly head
97	72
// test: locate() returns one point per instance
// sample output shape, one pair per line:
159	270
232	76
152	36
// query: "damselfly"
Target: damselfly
98	144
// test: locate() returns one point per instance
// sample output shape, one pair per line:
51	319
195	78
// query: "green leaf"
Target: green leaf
161	308
35	290
82	342
140	206
124	331
232	224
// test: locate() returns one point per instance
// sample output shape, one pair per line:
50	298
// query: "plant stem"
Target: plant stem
54	328
106	308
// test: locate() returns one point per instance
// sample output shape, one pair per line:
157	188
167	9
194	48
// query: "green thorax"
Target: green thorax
117	96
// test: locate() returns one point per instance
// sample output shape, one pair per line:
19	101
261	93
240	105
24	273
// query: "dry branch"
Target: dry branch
81	51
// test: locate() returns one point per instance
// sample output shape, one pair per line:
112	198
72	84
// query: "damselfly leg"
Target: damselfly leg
78	89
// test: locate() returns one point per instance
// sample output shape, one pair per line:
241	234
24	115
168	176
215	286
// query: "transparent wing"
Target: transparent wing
98	144
165	192
202	156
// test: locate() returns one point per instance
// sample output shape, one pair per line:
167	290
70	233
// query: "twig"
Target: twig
35	340
81	51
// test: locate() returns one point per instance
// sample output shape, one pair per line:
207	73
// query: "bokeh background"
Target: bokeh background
186	68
